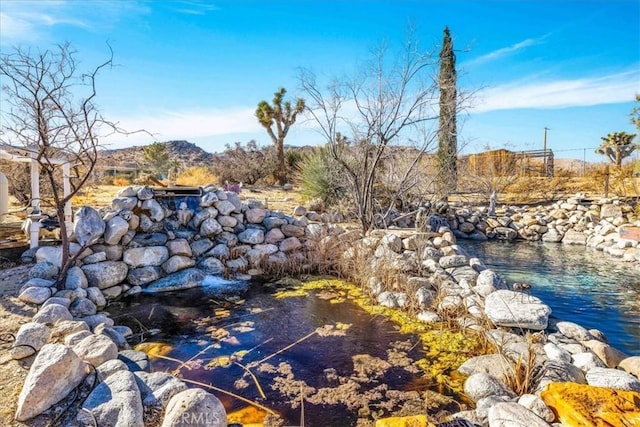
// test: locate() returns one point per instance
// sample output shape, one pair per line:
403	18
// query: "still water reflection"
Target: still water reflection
580	284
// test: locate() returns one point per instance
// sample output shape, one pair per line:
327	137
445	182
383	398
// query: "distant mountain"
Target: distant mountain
187	153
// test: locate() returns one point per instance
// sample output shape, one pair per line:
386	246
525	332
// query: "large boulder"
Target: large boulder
185	279
56	371
88	226
115	402
96	349
105	274
516	309
145	256
195	407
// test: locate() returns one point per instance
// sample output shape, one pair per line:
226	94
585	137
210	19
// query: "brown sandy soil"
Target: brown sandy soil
13	313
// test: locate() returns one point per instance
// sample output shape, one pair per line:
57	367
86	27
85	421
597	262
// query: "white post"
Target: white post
4	195
34	235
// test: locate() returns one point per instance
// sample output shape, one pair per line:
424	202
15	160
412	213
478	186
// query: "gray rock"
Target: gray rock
88	226
179	247
208	199
451	261
558	371
240	263
218	286
219	251
113	292
425	296
145	256
199	247
110	367
554	352
185	279
609	355
29	340
516	309
226	221
537	406
35	295
253	236
55	371
74	338
97	319
143	275
112	252
631	365
116	337
290	244
495	365
573	237
58	300
291	230
76	279
96	349
124	203
115	402
612	378
81	307
156	212
158	388
135	360
105	274
44	270
428	317
177	263
67	327
482	385
212	265
573	330
145	193
255	215
95	296
272	222
52	314
508	414
94	258
587	360
200	408
224	207
115	228
150	239
610	211
393	299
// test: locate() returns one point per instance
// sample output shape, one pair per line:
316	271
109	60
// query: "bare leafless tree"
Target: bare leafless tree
49	111
393	100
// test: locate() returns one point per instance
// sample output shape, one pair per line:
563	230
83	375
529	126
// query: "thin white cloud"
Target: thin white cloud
506	51
194	7
607	89
170	125
30	21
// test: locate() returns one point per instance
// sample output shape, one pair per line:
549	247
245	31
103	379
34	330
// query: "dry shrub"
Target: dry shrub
522	376
121	181
196	176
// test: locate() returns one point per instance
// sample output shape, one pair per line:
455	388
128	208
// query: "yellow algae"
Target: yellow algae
249	416
589	406
154	349
411	421
445	350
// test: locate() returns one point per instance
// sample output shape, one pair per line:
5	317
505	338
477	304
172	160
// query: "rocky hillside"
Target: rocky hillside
184	152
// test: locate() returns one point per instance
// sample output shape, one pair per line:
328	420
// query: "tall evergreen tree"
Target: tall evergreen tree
281	116
447	131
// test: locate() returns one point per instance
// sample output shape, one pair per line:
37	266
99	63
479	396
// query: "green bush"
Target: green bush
321	177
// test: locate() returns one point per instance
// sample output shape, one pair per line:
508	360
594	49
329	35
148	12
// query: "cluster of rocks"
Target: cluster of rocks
141	244
575	221
145	243
428	270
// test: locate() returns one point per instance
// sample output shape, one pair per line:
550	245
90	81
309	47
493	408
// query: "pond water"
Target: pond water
580	284
349	365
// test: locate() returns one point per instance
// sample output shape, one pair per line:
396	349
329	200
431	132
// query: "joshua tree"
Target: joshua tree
447	132
282	116
635	113
157	158
51	113
617	146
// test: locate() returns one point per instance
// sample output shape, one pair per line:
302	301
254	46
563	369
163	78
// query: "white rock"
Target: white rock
96	349
114	402
612	378
195	407
509	414
517	309
537	406
29	340
55	371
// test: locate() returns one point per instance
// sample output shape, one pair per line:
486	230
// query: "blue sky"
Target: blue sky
196	70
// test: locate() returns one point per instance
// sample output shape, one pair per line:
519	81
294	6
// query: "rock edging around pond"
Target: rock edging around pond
142	244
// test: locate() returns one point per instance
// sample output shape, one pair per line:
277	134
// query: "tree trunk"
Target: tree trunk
282	169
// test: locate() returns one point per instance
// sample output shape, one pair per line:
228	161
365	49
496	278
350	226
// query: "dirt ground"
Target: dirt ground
13	313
